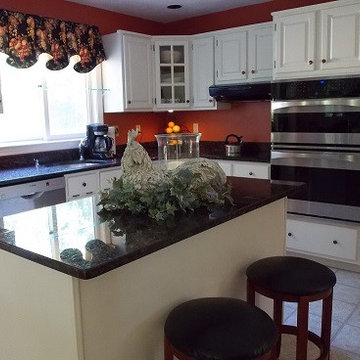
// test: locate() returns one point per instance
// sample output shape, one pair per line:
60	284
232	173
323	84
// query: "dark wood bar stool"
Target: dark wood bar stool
294	279
221	329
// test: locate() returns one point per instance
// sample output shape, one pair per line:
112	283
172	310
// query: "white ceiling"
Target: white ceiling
157	9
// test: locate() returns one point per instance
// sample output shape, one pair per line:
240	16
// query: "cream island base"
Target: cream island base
119	315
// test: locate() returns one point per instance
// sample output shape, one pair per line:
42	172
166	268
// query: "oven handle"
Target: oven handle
316	105
316	159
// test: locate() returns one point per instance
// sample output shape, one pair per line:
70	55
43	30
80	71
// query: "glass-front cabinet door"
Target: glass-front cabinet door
172	74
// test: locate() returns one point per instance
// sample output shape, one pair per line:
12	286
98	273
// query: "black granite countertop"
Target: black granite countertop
20	175
21	169
68	238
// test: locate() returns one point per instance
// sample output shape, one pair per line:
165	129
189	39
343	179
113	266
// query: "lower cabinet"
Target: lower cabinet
89	183
330	239
247	169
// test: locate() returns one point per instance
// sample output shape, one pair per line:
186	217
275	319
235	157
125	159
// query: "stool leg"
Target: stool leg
326	324
250	295
278	320
168	353
302	329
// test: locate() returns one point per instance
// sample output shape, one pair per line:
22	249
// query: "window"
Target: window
44	106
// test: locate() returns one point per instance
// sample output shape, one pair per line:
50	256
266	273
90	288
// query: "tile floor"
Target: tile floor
345	338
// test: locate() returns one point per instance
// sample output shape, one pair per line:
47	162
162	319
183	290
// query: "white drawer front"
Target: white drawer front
257	171
107	176
226	166
323	238
84	184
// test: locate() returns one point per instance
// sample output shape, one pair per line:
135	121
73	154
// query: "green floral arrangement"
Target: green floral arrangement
186	191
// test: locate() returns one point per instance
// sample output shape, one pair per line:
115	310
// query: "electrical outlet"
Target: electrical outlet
195	127
138	128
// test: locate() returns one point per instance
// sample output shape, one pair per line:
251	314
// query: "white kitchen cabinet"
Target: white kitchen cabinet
107	176
317	40
244	54
247	169
330	239
127	72
172	86
294	43
81	184
202	65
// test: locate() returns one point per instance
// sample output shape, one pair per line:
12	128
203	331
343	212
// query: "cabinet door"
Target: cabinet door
231	57
107	176
294	43
202	51
260	53
340	41
138	72
172	74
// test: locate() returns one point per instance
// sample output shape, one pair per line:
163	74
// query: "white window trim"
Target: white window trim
95	112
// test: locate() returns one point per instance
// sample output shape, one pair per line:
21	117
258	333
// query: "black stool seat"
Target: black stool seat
220	328
291	275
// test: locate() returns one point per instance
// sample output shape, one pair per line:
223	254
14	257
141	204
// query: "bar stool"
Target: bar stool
294	279
219	328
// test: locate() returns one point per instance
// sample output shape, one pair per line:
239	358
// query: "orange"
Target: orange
171	124
169	130
176	128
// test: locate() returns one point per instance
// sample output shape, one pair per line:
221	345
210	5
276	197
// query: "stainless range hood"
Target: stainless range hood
241	92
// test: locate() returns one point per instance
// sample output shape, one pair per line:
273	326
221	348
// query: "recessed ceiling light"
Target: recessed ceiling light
174	6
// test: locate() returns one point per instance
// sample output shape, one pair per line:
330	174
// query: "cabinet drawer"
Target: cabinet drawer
324	238
107	176
256	171
81	185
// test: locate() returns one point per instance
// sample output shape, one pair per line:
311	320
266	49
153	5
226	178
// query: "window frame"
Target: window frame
50	142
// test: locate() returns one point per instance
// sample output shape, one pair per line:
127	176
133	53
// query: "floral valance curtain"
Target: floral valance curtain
24	37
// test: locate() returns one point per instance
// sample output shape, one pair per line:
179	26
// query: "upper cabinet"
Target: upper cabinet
202	65
172	74
127	72
244	54
318	40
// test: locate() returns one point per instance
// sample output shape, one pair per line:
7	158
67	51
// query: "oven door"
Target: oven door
326	122
332	178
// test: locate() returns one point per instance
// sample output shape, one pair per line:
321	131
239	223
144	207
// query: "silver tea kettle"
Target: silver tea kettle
232	148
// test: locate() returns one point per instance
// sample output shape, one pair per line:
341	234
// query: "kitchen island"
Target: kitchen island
80	285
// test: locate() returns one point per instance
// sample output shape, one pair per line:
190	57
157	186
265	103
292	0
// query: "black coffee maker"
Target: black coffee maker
96	144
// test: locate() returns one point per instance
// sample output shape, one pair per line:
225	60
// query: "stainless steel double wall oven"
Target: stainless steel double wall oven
316	139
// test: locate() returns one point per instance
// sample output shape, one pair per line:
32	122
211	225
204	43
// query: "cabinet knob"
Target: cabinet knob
187	101
310	62
335	242
129	101
253	71
210	100
323	61
243	72
251	173
84	184
290	234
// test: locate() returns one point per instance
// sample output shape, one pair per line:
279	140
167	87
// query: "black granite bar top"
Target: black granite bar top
78	240
21	169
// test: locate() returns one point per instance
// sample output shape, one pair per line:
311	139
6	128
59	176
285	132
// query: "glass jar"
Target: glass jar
173	149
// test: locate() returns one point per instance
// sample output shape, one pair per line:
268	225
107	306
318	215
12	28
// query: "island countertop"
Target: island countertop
78	240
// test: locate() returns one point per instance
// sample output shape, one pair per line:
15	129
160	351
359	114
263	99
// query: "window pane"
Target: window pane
23	117
67	101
